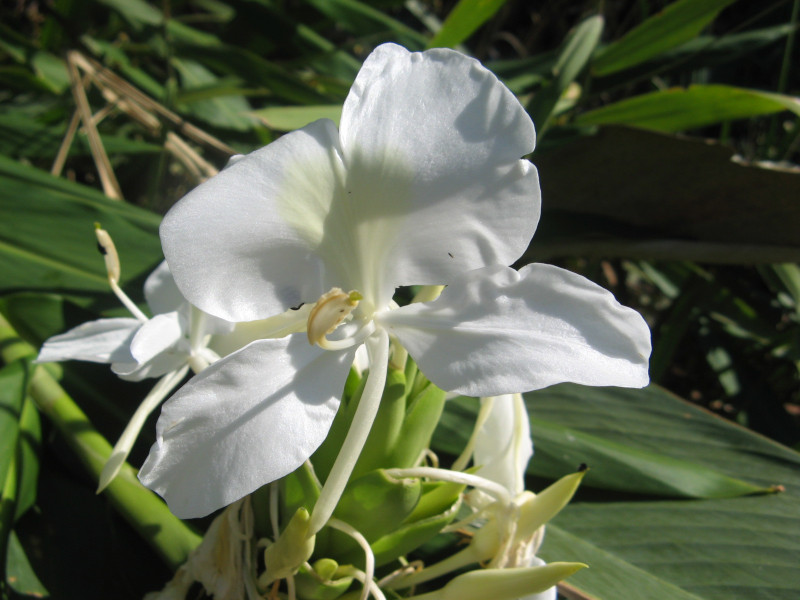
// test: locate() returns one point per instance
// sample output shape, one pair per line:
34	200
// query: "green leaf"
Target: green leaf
47	233
289	118
137	12
692	550
652	420
24	136
648	195
252	69
230	112
361	19
573	57
19	573
681	109
411	536
676	24
617	462
463	20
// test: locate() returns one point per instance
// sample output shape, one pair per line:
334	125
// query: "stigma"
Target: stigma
332	308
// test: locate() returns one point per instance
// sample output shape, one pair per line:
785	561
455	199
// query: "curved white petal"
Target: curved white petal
246	420
503	444
432	143
161	333
101	341
497	331
161	364
160	291
240	245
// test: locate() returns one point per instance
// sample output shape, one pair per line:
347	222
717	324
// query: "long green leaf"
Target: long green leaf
361	19
463	20
47	237
683	109
19	573
676	24
572	58
733	549
616	462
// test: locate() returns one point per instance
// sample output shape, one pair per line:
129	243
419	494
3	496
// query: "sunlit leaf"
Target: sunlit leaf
47	233
289	118
463	20
681	109
677	23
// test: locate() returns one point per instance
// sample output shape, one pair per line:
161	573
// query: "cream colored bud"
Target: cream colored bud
331	309
106	246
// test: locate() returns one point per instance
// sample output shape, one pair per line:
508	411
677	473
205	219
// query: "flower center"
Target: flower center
331	309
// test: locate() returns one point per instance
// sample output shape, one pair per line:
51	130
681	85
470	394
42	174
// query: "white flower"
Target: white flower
167	345
503	445
422	184
140	347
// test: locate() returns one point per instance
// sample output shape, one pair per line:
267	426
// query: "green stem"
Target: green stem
171	538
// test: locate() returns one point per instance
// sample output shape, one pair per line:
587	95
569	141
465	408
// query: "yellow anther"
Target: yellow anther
331	309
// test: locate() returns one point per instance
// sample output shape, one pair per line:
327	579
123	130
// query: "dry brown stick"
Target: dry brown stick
107	78
189	157
63	150
107	178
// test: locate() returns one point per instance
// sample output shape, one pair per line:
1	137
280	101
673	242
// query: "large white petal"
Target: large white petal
101	341
246	420
160	291
240	245
497	331
432	143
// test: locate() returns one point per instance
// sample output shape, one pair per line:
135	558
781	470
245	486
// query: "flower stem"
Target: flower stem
490	487
123	446
378	350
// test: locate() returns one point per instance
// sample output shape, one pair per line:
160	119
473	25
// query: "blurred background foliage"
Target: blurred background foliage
669	138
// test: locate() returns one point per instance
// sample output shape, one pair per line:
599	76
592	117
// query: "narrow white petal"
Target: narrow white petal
101	341
432	143
160	291
496	331
122	448
503	443
246	420
240	245
278	326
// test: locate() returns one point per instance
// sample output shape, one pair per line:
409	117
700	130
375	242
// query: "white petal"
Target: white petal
286	323
432	143
246	420
161	333
497	331
160	291
240	245
503	444
101	341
